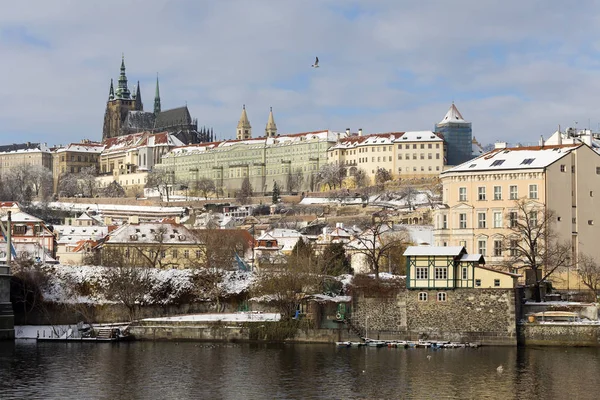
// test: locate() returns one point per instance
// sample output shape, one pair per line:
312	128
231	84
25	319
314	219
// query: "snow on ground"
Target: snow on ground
64	277
232	317
326	200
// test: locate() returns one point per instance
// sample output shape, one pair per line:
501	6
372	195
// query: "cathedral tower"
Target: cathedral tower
157	98
271	129
244	130
120	102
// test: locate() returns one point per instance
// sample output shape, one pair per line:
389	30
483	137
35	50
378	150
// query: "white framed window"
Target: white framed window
465	273
422	296
445	221
462	194
496	282
481	220
481	246
441	273
497	219
481	193
533	191
422	273
498	248
462	221
441	296
497	192
514	194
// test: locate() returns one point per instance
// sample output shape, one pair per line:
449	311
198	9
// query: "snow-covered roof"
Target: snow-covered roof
94	148
515	158
72	234
434	251
22	217
386	138
152	232
472	258
453	115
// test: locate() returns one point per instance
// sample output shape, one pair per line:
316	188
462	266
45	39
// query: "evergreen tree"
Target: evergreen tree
276	193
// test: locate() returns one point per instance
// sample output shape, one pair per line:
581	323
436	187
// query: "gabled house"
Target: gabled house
75	242
153	244
439	267
30	237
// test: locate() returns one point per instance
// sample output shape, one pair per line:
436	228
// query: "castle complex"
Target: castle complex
125	115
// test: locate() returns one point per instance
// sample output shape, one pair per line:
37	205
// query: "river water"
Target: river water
163	370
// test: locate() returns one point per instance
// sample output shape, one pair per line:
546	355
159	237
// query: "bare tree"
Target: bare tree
127	284
160	180
382	176
360	178
114	189
294	180
205	186
67	185
409	194
331	175
588	270
217	248
245	193
28	283
88	185
534	243
381	246
433	190
41	181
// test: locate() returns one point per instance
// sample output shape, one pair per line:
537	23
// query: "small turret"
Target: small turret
271	129
139	106
244	130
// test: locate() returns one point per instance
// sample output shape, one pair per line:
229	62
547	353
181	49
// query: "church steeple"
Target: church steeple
157	98
271	129
122	89
244	130
139	106
111	91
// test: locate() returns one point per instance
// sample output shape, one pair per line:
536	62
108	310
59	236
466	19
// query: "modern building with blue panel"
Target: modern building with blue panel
458	136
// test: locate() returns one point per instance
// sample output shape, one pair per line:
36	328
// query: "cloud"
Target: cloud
516	70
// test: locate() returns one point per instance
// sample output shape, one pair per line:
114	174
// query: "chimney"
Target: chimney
559	136
500	145
347	132
337	135
359	131
324	232
541	141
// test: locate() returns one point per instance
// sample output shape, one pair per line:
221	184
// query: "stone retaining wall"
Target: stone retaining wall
557	334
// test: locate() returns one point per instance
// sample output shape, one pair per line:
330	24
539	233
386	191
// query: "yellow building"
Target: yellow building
481	198
153	244
72	158
30	154
405	155
451	267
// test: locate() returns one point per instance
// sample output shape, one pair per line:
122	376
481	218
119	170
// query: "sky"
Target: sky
516	70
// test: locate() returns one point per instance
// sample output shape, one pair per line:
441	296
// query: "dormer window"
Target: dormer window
527	161
472	165
497	163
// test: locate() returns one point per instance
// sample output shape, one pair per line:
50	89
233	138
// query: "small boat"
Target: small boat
421	343
343	344
375	343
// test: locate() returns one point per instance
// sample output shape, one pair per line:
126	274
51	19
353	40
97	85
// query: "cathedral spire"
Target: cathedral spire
244	130
111	91
157	98
271	129
139	106
122	89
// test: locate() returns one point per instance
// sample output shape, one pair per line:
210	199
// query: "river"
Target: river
164	370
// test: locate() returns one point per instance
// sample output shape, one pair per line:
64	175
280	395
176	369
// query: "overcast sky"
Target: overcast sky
515	69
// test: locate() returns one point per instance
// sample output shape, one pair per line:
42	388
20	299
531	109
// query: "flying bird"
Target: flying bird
316	64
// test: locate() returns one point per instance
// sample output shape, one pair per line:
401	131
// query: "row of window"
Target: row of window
497	220
513	193
163	253
422	156
441	296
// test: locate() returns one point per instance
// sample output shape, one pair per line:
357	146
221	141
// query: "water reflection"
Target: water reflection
146	370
